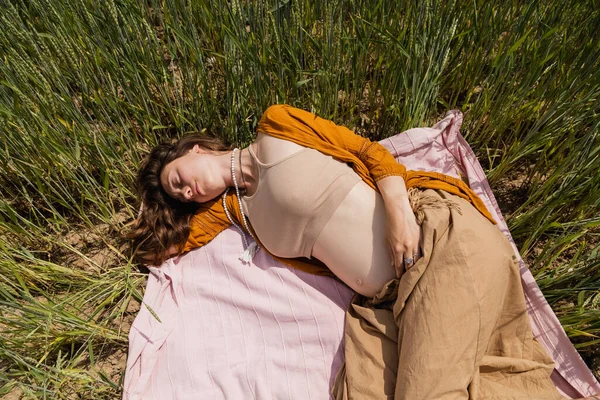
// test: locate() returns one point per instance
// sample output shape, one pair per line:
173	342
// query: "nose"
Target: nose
187	192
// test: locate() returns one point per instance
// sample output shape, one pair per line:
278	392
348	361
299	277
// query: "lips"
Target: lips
196	188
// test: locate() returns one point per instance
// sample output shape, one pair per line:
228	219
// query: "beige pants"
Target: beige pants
454	326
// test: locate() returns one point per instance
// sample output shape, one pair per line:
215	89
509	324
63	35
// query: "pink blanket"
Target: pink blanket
222	330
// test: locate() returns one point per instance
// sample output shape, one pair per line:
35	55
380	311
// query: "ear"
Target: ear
195	149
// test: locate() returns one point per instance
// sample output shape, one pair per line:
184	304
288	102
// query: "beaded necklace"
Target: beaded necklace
252	248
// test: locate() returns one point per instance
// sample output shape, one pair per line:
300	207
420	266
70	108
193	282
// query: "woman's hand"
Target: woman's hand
403	236
402	232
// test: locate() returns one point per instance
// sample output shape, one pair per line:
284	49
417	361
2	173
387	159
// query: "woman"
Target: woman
328	201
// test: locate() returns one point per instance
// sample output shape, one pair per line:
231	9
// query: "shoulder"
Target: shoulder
274	112
285	112
285	118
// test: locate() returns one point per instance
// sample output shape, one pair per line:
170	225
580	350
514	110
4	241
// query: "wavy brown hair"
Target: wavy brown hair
164	222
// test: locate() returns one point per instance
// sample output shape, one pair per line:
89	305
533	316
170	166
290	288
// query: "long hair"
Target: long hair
164	222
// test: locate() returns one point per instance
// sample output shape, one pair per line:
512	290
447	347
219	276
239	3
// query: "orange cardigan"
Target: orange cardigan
370	160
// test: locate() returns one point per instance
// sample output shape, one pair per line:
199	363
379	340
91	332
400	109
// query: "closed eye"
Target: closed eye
176	183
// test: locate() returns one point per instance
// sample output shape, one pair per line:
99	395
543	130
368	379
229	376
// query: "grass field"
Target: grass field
87	88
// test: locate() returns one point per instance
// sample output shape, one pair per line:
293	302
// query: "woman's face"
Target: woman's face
195	176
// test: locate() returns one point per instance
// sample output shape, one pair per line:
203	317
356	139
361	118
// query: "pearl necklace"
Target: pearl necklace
250	250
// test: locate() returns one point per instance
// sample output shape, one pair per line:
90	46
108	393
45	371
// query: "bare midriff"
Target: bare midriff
352	243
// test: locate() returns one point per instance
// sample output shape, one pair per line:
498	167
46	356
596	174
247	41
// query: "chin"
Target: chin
201	201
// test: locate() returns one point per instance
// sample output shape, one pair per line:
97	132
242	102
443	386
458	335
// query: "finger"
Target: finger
399	271
397	267
397	264
409	260
416	253
419	250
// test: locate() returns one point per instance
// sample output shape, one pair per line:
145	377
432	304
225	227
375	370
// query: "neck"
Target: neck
246	167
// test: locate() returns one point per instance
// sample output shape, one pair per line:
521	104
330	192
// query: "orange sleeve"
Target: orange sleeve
380	161
296	122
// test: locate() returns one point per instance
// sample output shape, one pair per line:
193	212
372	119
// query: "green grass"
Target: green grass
86	88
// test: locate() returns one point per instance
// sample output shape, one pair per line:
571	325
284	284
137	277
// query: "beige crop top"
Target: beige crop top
294	199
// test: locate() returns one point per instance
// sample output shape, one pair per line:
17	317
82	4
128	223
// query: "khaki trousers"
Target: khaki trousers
454	326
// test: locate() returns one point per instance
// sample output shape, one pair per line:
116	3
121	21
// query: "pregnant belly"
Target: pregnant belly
352	243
